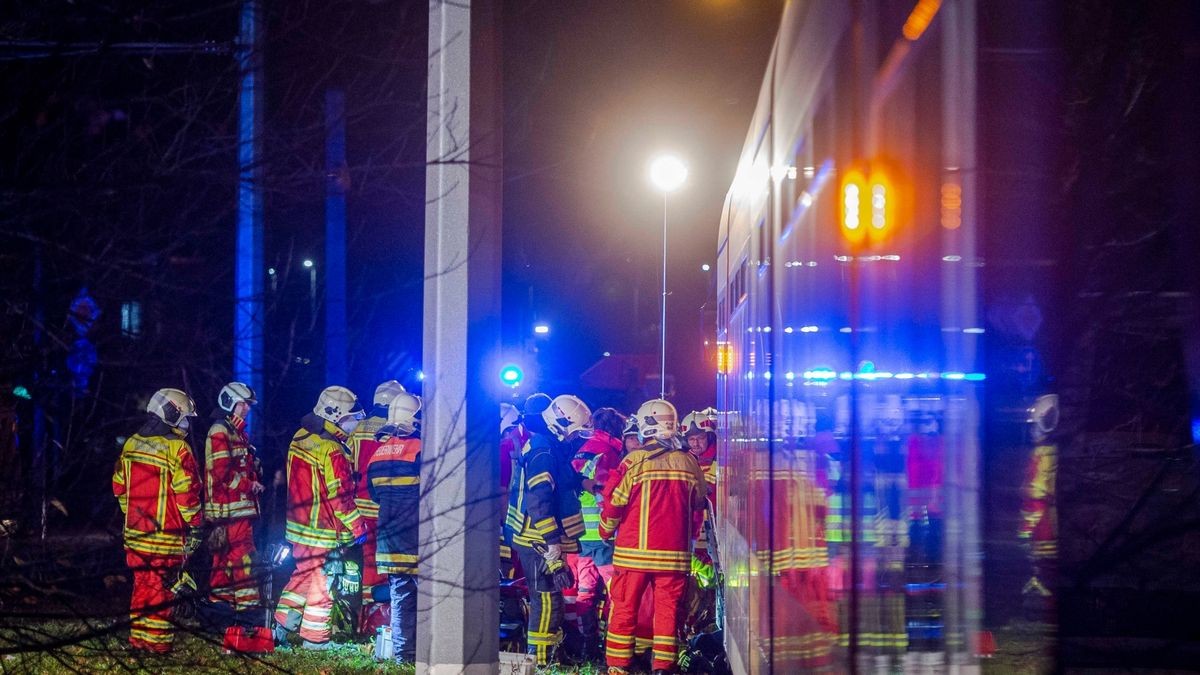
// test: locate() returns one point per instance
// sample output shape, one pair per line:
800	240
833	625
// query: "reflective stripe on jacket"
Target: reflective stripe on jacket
596	460
651	505
321	511
157	484
230	472
394	482
362	445
543	506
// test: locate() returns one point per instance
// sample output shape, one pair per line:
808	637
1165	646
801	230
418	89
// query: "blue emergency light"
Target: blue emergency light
511	375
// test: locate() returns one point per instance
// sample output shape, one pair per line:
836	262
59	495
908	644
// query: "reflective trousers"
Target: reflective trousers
306	603
374	613
152	603
545	606
589	592
232	580
404	616
627	594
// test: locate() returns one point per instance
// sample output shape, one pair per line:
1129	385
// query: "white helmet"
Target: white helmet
402	413
657	419
387	391
234	393
336	403
1044	416
631	426
699	421
173	407
509	416
568	415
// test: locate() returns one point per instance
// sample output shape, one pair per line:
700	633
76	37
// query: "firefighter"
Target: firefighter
630	440
513	439
322	518
394	483
157	484
700	432
1039	513
362	445
593	568
544	519
233	483
651	505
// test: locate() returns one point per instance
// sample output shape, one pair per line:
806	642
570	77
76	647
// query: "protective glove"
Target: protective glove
351	579
257	488
192	540
360	539
560	573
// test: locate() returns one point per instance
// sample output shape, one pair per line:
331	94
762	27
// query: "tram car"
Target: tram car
851	333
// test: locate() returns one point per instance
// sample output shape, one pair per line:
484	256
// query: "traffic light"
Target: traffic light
511	375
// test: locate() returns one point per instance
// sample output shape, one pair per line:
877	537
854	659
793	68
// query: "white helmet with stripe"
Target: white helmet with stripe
568	416
172	406
233	394
402	413
657	419
387	391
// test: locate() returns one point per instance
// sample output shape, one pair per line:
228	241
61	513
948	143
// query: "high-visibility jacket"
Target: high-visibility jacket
321	511
543	504
362	445
394	482
651	503
230	471
596	460
157	484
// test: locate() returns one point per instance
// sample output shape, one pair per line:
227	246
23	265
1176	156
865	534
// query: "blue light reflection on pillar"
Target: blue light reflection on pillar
248	276
335	236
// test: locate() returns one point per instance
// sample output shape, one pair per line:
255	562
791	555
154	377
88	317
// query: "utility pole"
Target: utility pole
458	619
335	237
248	251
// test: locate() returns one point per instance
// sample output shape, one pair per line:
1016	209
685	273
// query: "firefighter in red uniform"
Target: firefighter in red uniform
321	515
232	482
1039	512
651	505
157	484
363	444
700	430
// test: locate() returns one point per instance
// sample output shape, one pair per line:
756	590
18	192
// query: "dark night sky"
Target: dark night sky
593	90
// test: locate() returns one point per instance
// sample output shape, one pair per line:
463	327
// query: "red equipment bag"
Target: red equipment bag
248	640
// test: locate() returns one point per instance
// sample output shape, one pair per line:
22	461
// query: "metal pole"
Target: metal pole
248	252
662	376
335	236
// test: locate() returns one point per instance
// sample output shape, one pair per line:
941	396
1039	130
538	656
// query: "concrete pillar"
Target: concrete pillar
460	507
248	254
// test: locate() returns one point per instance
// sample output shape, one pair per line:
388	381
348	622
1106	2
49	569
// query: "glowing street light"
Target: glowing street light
541	329
667	173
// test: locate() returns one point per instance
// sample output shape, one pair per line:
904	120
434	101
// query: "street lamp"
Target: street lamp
312	286
667	173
